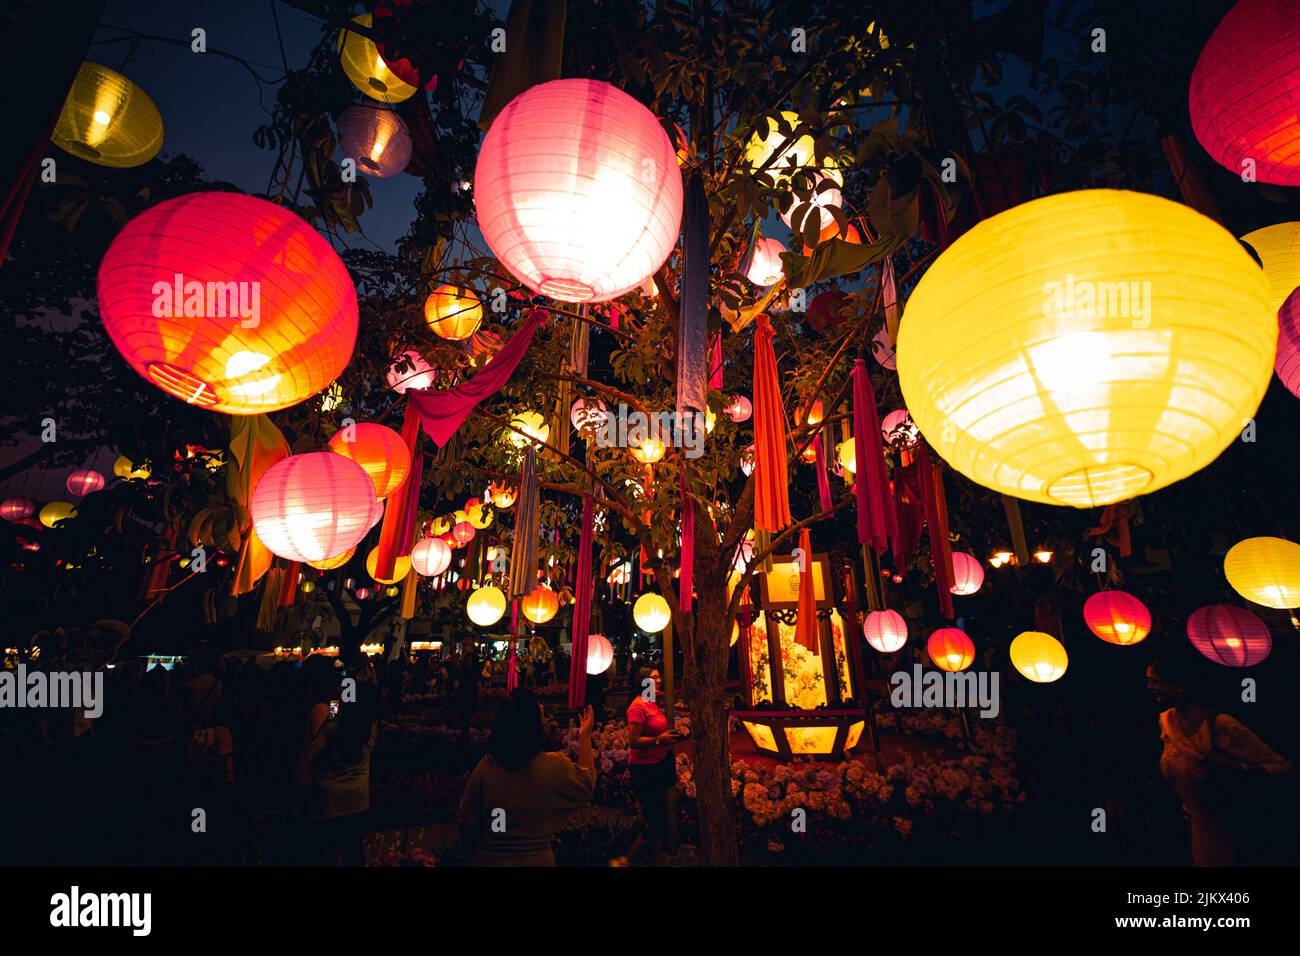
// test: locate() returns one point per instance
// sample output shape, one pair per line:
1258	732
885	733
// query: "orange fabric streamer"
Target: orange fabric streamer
397	533
771	472
805	628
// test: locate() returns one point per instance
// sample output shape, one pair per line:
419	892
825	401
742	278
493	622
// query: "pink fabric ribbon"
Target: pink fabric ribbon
582	608
877	517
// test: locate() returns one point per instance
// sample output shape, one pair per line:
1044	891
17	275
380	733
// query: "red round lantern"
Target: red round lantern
84	482
463	533
16	509
600	654
739	409
950	649
375	138
886	631
377	449
540	605
1229	635
828	309
1245	91
314	506
1287	363
1117	617
228	302
577	190
967	573
430	557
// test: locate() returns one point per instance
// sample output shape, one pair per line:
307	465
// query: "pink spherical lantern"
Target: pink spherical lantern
589	413
84	482
228	302
967	573
739	409
463	533
1229	635
1117	617
376	139
313	506
600	654
16	509
882	350
886	631
409	370
577	190
1287	363
766	269
898	429
430	557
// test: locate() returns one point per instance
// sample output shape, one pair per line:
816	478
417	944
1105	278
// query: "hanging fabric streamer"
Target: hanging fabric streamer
256	445
289	584
534	55
805	629
512	668
580	344
693	319
582	608
408	594
889	298
823	480
936	518
715	362
397	533
523	554
686	570
877	518
268	603
771	472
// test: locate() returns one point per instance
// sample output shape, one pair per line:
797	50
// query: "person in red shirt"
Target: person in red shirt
652	764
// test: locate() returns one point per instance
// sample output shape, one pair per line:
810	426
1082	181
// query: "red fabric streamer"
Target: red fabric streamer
936	518
910	509
686	575
715	361
397	534
823	480
289	584
771	473
582	608
877	516
805	629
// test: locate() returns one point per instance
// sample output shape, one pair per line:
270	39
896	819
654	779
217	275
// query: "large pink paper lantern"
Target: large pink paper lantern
1229	635
967	573
375	138
313	506
1287	363
577	190
600	654
228	302
84	482
430	557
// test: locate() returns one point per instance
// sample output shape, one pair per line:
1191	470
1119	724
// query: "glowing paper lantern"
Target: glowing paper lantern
600	654
55	512
377	449
312	507
816	203
766	269
409	370
577	190
463	533
178	280
747	457
1278	248
1117	617
108	120
1039	656
886	631
401	567
123	467
486	605
898	429
1265	570
528	426
84	482
1125	340
650	450
329	564
540	605
799	154
376	139
950	649
882	350
651	613
739	409
589	413
967	573
1229	635
430	557
847	455
477	514
366	68
1244	92
1287	364
453	313
16	509
503	496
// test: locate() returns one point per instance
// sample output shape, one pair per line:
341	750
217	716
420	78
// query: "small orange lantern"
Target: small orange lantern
453	313
540	605
951	649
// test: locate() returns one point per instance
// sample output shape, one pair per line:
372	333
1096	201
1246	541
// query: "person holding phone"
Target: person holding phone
652	764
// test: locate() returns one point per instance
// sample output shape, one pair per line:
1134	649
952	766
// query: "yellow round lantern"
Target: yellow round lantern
442	525
649	451
532	425
799	154
401	567
123	467
477	514
1278	248
486	605
453	313
329	564
366	68
55	512
848	456
502	495
1265	570
651	613
541	605
1039	656
108	120
1087	347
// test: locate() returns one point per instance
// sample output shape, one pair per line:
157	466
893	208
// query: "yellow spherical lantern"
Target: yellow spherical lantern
541	605
1039	656
848	456
1265	570
651	613
528	426
401	567
329	564
123	467
486	605
366	68
1278	248
799	154
55	512
108	120
453	313
1087	347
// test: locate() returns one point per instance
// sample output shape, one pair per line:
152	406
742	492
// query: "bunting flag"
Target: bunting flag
442	412
256	445
771	471
512	668
936	518
686	569
523	553
582	608
397	533
693	317
877	518
805	629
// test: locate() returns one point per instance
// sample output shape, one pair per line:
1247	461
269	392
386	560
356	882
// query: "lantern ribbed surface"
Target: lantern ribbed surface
886	630
430	557
1287	363
1229	635
1265	571
1087	347
84	482
577	190
1039	656
1278	248
16	509
1245	91
231	255
313	506
376	138
967	573
379	450
1117	617
366	68
540	605
329	564
600	654
950	649
453	313
108	120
